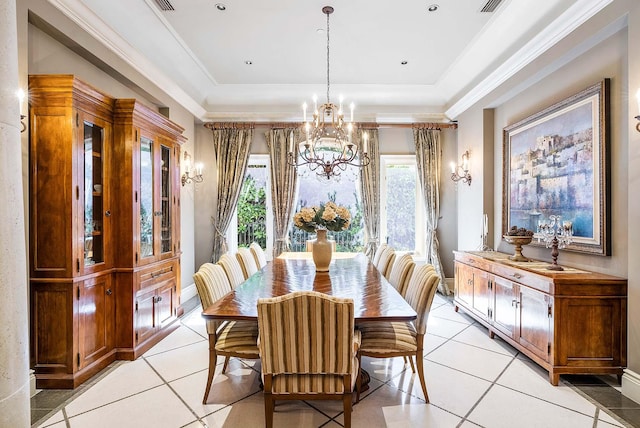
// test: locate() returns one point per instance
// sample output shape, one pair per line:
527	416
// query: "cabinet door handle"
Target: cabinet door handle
107	213
516	276
515	303
109	292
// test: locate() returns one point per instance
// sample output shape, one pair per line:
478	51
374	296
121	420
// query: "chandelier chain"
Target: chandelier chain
328	56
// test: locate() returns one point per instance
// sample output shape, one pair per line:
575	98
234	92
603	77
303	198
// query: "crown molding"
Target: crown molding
82	16
571	19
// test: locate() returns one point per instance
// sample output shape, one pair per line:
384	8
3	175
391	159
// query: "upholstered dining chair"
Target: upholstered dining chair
226	338
386	339
248	263
232	268
308	348
386	261
378	253
258	254
401	272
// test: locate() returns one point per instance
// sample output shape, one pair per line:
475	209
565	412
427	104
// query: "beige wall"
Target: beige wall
605	47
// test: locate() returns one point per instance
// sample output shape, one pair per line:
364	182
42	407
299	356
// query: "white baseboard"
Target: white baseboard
450	283
631	385
32	383
188	292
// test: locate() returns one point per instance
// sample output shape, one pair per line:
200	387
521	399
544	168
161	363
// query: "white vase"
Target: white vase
321	251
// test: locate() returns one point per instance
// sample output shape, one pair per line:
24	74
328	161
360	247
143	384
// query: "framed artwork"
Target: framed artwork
556	162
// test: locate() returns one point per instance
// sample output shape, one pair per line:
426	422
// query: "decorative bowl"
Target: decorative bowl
518	241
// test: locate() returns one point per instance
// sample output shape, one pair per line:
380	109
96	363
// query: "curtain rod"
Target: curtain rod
365	125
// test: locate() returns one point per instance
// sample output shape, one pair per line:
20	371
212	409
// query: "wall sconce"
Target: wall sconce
638	116
465	176
20	95
186	177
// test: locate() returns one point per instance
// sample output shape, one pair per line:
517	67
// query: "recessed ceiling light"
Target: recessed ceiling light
433	8
221	6
404	62
248	62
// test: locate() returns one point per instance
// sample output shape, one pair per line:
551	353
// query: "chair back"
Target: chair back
378	254
212	284
401	272
386	261
258	254
232	268
248	263
420	293
306	332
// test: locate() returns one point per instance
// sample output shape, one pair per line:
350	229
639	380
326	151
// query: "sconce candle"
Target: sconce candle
464	176
638	116
20	94
187	177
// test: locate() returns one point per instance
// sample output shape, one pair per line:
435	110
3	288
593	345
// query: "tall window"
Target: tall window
313	191
402	208
253	218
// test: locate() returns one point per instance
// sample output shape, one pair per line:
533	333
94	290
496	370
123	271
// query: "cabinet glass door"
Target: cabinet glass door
93	191
165	197
146	197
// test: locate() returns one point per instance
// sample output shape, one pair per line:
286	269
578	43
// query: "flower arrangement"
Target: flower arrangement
326	216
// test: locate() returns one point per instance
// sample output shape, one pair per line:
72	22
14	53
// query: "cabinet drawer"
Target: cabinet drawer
524	277
152	276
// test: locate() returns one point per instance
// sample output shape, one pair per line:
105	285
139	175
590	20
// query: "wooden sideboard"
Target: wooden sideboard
569	322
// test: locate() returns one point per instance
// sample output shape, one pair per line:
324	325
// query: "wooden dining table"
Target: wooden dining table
351	275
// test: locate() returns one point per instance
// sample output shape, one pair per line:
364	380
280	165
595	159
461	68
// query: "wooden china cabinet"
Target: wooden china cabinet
85	304
147	149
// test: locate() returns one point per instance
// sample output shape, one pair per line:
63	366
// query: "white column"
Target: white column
14	335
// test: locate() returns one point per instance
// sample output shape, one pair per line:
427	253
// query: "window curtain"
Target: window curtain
428	161
284	185
370	190
231	145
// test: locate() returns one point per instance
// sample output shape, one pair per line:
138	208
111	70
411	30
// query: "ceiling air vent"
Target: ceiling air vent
165	5
490	6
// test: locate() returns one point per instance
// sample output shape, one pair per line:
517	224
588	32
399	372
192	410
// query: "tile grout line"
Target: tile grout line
172	390
465	417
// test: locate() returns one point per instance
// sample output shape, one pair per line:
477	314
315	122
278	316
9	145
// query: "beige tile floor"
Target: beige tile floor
473	381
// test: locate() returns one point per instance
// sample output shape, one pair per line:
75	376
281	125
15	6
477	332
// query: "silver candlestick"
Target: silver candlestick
556	235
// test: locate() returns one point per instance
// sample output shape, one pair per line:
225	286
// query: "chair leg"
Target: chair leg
346	403
226	364
268	409
413	369
212	366
359	380
419	362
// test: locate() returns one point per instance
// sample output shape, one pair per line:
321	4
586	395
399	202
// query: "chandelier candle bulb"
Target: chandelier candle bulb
315	104
291	143
304	112
199	168
453	167
351	106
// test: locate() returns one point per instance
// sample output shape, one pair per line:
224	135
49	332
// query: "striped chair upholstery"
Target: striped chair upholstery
308	348
232	268
247	262
401	272
227	339
376	256
386	261
385	339
258	254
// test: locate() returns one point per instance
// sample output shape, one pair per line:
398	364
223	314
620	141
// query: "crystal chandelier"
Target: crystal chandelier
328	148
